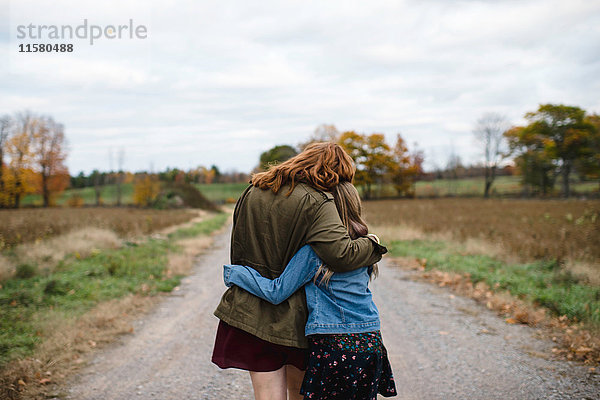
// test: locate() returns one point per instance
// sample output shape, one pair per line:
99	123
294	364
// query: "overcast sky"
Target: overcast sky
218	82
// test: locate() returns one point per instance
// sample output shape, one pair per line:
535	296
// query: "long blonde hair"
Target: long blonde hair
322	165
347	201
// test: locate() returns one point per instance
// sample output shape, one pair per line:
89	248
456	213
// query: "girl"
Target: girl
347	358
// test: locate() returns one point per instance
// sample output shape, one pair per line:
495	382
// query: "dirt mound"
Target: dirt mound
180	194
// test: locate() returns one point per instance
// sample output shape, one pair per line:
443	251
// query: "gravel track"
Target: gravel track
440	346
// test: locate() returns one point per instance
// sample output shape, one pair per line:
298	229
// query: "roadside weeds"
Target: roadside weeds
574	340
67	337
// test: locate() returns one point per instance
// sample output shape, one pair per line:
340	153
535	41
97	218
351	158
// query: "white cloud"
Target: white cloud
219	82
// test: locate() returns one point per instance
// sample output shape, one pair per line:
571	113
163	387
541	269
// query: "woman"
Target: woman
282	210
347	358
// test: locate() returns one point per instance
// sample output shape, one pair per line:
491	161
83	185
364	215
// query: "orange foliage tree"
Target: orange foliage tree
145	190
35	150
377	163
406	168
49	149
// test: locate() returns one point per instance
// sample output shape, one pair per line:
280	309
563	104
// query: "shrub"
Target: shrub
75	200
181	194
25	271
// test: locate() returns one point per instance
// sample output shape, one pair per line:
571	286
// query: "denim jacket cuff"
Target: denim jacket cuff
226	275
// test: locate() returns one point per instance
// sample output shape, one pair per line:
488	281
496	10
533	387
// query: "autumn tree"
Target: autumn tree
49	150
275	155
566	136
6	123
216	173
588	165
205	175
378	164
145	190
19	150
532	159
406	168
372	157
489	134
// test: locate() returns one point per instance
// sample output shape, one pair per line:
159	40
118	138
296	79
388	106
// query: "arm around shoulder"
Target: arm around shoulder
330	240
298	272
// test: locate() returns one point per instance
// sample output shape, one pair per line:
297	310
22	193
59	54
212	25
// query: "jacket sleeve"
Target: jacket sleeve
330	240
301	268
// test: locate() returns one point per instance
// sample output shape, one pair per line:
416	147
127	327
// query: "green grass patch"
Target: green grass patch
229	192
543	283
76	285
216	192
201	228
222	192
108	196
474	187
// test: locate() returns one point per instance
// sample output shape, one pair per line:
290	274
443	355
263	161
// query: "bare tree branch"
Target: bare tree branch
489	134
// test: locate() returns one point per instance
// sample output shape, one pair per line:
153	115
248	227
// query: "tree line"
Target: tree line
146	182
557	141
377	162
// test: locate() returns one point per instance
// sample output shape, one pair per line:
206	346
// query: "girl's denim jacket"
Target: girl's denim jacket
343	305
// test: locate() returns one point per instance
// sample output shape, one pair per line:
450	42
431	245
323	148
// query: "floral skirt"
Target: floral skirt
347	366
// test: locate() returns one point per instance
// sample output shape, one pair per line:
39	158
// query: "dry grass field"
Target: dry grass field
535	262
30	225
563	230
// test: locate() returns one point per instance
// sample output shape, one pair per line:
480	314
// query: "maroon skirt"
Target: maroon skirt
235	348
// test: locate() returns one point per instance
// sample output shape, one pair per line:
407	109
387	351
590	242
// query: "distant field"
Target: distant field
217	192
28	225
222	192
544	252
529	229
108	196
229	192
473	187
503	185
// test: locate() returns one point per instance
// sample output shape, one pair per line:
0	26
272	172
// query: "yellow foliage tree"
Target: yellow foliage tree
372	157
406	168
21	158
146	190
36	149
16	184
49	148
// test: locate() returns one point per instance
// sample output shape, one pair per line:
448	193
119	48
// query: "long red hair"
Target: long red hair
321	165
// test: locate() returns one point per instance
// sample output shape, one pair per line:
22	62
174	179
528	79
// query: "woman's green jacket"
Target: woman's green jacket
268	229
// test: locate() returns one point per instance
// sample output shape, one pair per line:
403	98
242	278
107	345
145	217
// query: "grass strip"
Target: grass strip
76	285
542	283
201	228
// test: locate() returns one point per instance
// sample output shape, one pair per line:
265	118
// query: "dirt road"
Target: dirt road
440	346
